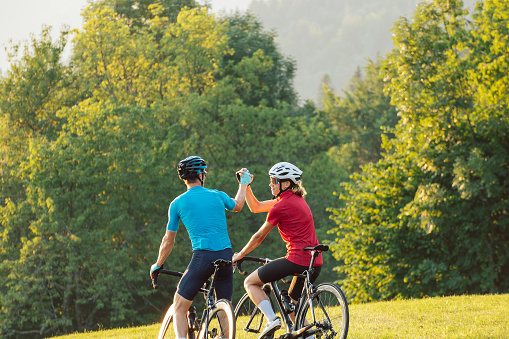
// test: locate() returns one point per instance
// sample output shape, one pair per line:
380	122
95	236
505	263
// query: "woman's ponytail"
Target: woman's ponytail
299	190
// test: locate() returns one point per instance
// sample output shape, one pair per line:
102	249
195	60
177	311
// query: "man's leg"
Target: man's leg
180	307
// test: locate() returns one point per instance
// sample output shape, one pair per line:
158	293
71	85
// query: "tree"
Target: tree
35	88
91	220
357	120
138	12
256	53
359	117
442	175
37	85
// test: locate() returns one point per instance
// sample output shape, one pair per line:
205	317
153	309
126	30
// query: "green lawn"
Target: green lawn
475	316
451	317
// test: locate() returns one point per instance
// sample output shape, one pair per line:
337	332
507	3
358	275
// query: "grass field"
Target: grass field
474	316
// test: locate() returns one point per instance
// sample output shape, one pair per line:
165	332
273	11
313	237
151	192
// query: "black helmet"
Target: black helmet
190	167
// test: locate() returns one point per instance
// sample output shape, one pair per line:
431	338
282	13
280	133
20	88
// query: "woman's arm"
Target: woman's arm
256	206
255	240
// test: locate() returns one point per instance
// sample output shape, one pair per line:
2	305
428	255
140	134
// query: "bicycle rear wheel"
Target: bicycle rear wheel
331	313
165	326
221	322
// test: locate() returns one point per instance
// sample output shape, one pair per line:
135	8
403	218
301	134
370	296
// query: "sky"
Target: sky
19	18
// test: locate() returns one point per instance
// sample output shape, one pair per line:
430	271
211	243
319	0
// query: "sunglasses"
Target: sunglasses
274	181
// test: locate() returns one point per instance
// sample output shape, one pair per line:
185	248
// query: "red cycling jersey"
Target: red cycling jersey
293	217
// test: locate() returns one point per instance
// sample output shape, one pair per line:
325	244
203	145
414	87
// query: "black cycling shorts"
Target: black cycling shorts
200	269
282	267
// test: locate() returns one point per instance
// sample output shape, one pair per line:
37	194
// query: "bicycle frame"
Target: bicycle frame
309	290
209	302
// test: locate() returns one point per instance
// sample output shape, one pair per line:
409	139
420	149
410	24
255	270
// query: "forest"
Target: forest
407	171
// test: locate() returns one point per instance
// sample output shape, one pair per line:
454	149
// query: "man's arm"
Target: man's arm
240	198
166	247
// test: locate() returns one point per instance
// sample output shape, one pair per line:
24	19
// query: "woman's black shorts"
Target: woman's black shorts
282	267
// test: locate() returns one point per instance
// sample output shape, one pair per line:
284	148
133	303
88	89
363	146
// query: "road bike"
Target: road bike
217	319
322	310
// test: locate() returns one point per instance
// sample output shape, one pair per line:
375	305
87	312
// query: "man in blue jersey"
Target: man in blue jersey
202	211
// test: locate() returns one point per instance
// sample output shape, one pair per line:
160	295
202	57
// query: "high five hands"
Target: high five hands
244	177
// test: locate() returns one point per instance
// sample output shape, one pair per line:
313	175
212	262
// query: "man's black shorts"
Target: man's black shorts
200	269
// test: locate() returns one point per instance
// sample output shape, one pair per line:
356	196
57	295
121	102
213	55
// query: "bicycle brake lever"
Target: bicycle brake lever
241	272
154	281
154	276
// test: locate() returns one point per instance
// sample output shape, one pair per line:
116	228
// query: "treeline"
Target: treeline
88	154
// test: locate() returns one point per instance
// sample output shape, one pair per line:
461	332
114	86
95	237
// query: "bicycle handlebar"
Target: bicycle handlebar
163	271
254	259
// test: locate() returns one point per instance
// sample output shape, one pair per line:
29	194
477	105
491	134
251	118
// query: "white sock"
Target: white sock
311	337
267	310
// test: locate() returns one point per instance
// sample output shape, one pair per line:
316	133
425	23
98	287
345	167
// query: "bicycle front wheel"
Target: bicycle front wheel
221	322
249	319
331	313
166	325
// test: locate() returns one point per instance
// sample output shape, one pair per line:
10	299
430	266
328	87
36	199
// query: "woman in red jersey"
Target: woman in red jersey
294	220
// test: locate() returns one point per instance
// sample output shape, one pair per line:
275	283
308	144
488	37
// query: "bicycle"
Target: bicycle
217	320
321	311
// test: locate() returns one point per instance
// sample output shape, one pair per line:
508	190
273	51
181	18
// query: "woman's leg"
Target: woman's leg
253	286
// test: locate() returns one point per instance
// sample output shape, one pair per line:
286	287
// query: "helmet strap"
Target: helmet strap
281	190
201	180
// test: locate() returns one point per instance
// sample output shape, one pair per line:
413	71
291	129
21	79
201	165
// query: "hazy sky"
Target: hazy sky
19	18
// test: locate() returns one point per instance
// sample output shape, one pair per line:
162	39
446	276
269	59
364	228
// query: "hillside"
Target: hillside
445	317
332	37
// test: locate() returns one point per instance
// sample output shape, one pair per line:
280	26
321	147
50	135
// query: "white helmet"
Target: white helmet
286	171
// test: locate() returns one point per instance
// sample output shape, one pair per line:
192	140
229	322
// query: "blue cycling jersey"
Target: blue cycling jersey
202	212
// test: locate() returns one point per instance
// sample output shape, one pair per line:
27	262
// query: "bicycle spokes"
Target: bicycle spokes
256	317
250	319
330	311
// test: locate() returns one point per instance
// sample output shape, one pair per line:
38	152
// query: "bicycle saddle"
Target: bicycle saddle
221	263
320	247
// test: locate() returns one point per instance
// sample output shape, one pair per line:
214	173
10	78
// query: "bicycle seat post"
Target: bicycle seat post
209	298
217	265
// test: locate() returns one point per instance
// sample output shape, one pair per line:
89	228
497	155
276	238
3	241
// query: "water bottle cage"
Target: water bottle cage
192	317
289	307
